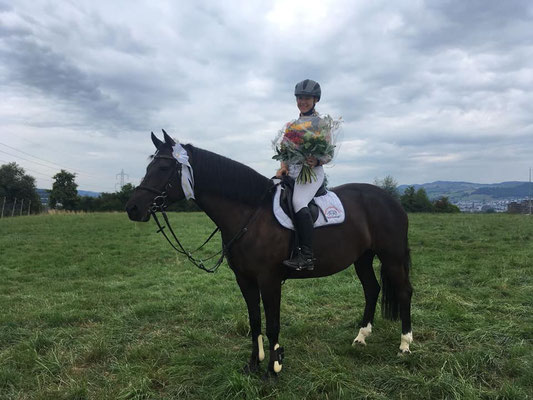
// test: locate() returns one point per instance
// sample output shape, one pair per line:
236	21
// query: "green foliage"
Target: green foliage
64	194
95	306
15	184
416	201
443	205
390	185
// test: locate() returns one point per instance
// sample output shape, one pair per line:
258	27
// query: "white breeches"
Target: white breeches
304	193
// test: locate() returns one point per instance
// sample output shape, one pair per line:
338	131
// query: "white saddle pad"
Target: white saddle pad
330	205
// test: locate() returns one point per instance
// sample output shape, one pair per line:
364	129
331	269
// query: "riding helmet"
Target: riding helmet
308	88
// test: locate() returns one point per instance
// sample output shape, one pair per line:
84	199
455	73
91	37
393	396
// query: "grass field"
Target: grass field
93	306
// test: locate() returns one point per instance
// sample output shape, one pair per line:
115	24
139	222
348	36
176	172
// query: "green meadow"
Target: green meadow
94	306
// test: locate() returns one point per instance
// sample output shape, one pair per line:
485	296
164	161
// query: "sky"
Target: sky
428	90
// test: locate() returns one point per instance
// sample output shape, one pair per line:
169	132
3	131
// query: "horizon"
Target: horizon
398	186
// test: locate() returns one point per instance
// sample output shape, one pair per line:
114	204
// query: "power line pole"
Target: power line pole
122	176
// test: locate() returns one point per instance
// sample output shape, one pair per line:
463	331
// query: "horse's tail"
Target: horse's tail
390	305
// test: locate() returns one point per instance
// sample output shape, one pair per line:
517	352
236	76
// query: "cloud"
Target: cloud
425	88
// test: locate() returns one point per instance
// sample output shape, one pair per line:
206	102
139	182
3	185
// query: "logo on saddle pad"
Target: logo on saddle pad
332	213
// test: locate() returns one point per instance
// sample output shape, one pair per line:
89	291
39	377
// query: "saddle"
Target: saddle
285	202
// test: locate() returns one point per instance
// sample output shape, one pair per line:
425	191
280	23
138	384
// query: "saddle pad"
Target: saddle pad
329	203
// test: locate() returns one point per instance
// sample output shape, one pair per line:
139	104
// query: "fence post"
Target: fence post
3	205
13	210
21	206
29	208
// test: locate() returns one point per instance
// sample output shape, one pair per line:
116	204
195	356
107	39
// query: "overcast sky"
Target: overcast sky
428	90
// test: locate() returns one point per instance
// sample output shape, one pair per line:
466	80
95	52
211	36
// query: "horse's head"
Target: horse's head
160	186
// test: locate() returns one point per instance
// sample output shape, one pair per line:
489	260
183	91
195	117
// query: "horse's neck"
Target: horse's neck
228	215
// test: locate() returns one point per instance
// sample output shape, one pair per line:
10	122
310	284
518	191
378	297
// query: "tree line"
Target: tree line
16	184
416	200
17	188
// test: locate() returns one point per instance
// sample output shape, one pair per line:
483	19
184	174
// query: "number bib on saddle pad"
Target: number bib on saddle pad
330	209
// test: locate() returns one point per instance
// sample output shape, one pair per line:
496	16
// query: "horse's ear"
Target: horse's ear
168	139
156	141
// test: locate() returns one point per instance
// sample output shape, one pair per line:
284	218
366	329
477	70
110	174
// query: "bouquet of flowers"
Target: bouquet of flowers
305	137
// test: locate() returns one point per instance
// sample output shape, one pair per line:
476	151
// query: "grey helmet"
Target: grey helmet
308	88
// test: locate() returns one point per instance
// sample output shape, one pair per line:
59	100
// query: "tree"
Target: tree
422	202
408	199
64	192
390	185
416	201
125	194
15	184
443	205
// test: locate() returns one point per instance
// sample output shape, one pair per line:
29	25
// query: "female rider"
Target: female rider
307	95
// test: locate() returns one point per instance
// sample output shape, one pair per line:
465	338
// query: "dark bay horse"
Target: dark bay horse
231	194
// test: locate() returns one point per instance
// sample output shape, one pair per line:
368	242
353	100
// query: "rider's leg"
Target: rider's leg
303	194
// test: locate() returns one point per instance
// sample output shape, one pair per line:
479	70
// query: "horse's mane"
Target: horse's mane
217	174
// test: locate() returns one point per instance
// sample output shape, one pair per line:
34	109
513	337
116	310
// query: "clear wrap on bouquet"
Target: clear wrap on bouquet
307	136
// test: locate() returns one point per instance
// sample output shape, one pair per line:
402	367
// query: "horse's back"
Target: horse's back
369	205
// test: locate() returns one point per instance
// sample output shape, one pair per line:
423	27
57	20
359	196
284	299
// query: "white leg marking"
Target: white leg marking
406	340
277	365
261	350
363	333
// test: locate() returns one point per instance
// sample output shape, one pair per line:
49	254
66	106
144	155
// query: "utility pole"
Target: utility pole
14	204
21	206
29	208
3	205
122	176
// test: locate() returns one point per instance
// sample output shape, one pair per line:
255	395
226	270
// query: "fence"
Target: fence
15	207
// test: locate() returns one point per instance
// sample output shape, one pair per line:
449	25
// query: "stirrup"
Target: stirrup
300	263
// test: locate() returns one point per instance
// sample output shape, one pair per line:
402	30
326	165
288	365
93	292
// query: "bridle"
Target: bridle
159	204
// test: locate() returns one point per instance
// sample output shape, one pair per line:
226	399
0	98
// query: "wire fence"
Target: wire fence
13	207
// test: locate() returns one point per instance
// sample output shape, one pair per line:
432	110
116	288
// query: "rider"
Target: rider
307	95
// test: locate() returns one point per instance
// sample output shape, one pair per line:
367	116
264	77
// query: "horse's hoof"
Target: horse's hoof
250	368
358	342
404	352
270	376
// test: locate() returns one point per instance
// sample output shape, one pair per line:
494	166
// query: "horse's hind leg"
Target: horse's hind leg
397	291
365	272
250	292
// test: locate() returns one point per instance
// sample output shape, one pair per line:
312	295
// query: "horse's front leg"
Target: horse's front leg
271	295
250	292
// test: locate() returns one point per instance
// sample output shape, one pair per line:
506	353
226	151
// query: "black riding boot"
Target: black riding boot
303	223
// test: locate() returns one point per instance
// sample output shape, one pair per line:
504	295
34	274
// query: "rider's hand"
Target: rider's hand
282	171
311	161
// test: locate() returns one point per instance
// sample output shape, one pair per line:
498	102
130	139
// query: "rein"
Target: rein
159	204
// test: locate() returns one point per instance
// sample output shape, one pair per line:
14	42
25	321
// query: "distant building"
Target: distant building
522	207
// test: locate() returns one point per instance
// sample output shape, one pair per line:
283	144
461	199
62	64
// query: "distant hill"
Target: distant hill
468	191
44	194
88	193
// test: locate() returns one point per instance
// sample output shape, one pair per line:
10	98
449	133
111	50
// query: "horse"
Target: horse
239	201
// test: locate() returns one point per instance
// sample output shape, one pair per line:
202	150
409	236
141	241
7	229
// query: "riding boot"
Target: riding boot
303	259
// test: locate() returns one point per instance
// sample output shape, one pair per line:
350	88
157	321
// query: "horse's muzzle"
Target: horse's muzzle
135	214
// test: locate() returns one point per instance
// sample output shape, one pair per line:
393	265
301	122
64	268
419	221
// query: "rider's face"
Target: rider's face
305	103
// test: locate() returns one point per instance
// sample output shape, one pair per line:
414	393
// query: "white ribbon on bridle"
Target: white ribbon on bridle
187	177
